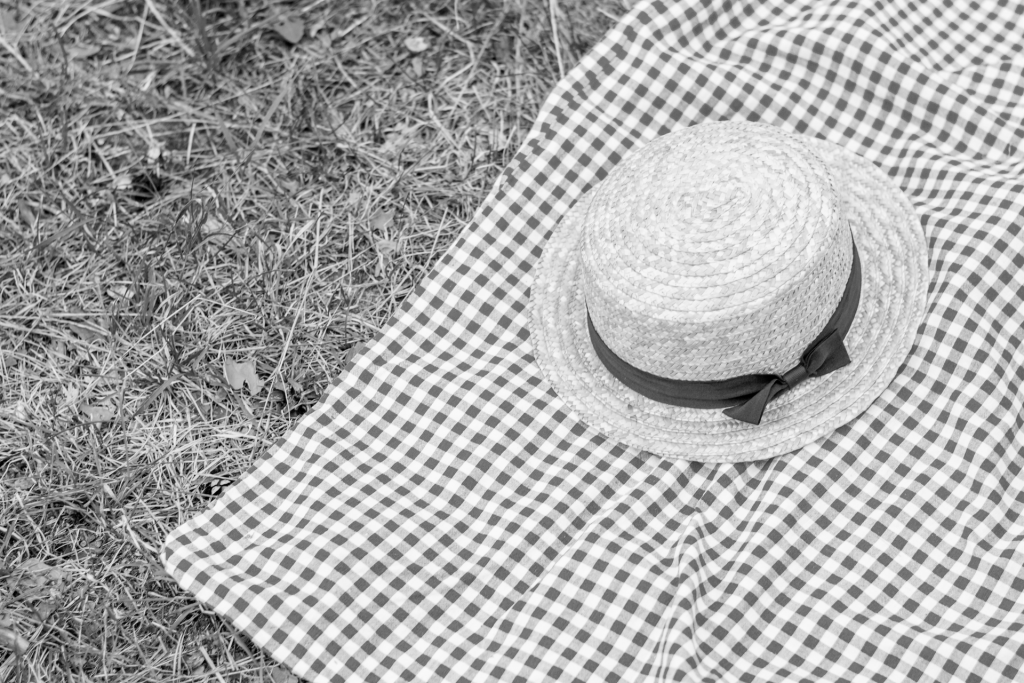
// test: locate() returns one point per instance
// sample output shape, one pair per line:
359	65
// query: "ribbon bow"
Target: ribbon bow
821	357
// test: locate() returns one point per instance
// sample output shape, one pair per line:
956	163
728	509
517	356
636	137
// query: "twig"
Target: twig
138	39
174	34
17	55
351	27
213	667
554	35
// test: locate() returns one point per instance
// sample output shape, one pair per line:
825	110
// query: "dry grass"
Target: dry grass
190	192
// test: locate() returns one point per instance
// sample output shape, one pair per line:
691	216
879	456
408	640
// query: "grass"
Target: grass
204	206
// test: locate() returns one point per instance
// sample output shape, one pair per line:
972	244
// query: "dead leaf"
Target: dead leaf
247	101
242	373
28	216
350	357
417	66
88	332
91	629
20	410
10	26
381	219
402	139
503	48
290	29
71	393
281	675
160	574
416	44
385	253
98	413
387	247
12	640
336	120
82	51
120	292
317	27
36	579
45	608
19	484
217	232
195	663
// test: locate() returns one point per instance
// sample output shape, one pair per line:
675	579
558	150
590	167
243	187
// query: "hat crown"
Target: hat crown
715	251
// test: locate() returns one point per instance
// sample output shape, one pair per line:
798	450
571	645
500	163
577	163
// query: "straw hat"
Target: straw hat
730	292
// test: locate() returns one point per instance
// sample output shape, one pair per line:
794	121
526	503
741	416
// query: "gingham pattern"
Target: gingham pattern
443	516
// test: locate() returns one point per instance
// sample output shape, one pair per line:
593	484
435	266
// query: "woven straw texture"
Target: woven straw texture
715	251
443	515
721	250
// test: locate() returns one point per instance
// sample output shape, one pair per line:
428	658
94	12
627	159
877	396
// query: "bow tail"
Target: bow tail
751	410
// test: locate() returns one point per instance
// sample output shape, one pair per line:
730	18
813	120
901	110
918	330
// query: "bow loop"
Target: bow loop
828	355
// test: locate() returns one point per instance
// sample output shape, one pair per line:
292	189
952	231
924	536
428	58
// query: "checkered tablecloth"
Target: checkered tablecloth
442	515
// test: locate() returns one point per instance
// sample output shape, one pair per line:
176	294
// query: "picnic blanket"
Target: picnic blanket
442	515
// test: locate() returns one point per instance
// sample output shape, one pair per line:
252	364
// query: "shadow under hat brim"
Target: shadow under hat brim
894	262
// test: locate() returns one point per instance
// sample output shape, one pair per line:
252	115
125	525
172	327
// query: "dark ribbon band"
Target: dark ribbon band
746	396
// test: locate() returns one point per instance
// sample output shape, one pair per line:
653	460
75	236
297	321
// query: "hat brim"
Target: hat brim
894	262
